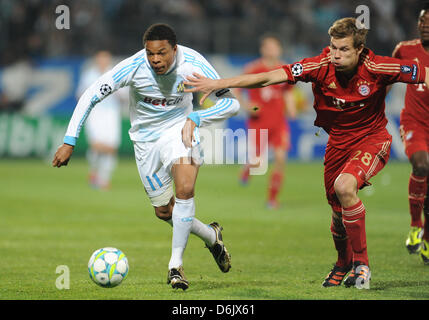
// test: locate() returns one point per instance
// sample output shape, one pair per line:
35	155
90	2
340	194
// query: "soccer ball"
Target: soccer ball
108	267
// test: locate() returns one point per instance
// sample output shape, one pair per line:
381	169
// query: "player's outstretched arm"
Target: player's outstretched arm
205	85
118	77
62	156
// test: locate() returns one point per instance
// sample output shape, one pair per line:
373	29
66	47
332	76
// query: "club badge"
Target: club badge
364	88
180	87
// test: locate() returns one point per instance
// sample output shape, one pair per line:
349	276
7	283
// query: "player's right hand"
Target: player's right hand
62	156
188	133
199	83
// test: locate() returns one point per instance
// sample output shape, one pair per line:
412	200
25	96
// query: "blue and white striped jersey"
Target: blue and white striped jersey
157	102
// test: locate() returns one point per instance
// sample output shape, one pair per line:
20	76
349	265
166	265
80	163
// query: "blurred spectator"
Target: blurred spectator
103	126
210	26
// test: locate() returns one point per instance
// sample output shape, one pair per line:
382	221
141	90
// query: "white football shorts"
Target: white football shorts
155	158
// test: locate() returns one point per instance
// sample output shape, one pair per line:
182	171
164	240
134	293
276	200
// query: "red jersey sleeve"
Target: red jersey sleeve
393	70
308	69
397	52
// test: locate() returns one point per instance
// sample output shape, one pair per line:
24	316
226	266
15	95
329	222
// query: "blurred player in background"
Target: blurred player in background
267	110
103	126
349	85
164	130
415	136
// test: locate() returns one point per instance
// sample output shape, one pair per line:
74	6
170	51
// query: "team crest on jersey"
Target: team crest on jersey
363	88
180	87
297	69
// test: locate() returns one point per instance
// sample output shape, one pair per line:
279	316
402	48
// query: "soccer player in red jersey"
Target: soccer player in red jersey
267	108
349	85
414	129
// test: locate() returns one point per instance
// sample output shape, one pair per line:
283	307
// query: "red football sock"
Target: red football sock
276	181
341	241
344	250
417	188
245	174
354	222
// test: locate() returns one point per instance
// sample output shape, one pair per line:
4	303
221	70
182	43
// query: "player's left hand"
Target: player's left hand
202	84
188	133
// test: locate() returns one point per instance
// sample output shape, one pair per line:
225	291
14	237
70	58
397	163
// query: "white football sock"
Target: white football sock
183	214
201	230
204	232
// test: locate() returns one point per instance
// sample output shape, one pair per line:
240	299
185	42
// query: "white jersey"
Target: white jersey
88	77
157	102
103	124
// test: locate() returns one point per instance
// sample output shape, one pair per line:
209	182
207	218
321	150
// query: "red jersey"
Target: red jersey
349	110
269	99
417	95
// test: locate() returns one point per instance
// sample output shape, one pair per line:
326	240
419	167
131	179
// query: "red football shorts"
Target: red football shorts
278	136
363	161
415	137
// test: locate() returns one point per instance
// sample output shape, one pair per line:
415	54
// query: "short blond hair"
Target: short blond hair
346	27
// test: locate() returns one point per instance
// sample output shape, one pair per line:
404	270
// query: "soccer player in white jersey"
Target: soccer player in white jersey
103	126
164	130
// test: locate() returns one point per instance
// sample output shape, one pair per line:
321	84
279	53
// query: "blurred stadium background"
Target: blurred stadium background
51	217
40	65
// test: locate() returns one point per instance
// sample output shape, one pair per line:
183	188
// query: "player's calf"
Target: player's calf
341	240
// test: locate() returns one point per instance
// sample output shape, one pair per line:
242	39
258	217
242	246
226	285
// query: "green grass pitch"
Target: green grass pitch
51	217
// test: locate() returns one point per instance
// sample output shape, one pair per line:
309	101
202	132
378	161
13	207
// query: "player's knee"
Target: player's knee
279	164
163	213
280	156
345	187
185	191
421	167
